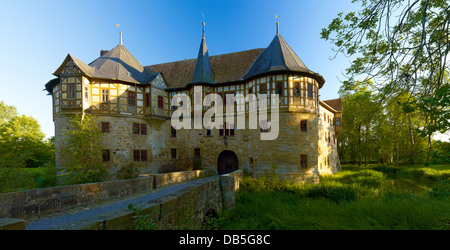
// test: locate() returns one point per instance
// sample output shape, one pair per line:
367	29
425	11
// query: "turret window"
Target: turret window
296	89
279	88
310	91
71	90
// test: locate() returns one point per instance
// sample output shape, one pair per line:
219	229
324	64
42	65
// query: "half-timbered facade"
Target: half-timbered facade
133	105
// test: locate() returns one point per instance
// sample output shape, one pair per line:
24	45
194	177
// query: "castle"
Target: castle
134	104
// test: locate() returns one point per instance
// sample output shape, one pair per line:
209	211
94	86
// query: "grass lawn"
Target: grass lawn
364	198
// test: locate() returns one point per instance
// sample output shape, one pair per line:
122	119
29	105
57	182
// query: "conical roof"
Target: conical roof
203	71
279	56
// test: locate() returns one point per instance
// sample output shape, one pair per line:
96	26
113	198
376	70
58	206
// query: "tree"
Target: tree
82	155
6	112
22	142
403	47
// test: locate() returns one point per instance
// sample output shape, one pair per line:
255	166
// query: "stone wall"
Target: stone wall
38	202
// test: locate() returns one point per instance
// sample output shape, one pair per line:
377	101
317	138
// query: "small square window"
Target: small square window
304	125
197	152
105	127
143	155
136	128
143	129
303	161
136	155
174	153
160	102
131	98
106	155
173	132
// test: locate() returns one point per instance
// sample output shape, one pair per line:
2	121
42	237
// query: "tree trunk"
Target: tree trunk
413	151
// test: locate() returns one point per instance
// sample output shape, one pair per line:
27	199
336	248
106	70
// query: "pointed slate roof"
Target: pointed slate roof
279	56
116	64
203	72
119	64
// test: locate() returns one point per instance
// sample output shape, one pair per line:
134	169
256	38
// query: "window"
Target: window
208	132
106	155
310	91
160	102
173	132
143	129
296	89
71	90
143	155
338	121
139	155
303	161
136	155
329	137
105	127
105	95
131	98
304	125
197	152
250	90
135	128
86	93
263	88
228	131
147	100
279	88
174	153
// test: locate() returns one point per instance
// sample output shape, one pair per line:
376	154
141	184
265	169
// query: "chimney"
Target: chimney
102	52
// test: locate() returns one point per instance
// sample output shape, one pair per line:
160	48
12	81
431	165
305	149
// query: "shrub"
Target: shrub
13	180
127	172
181	164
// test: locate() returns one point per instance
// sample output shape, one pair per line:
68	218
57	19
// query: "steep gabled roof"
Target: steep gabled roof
85	69
226	68
336	104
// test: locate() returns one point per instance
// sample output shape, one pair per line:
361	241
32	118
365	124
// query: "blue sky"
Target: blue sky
36	36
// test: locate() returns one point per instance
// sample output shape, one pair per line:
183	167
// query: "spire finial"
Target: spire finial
277	23
118	25
203	24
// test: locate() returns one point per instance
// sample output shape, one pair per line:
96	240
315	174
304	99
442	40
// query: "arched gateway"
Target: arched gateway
227	162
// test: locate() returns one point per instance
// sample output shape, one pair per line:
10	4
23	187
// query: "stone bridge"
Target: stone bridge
178	200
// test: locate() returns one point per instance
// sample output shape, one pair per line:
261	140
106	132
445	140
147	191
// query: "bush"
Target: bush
180	164
127	172
13	180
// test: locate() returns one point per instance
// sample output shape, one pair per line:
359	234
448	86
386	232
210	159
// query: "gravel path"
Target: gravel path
57	219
